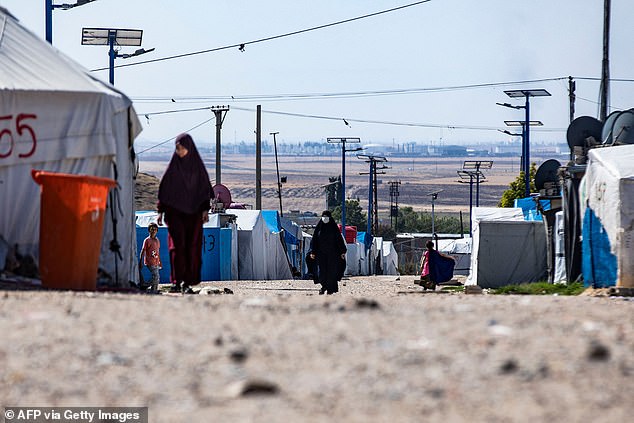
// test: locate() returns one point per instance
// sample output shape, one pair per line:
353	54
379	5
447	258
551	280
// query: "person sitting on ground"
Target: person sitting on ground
435	267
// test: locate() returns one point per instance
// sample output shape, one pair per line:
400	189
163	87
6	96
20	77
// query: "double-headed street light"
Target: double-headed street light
343	141
527	94
521	123
112	37
49	14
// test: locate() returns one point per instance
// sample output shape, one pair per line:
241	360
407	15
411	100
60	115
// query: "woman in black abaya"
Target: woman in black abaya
329	250
184	198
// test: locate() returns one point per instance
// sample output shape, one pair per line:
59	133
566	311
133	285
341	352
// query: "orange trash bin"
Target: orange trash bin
71	226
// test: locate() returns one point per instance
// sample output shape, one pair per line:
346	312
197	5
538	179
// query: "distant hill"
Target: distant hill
146	192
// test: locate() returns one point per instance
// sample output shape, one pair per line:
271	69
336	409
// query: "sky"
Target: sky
430	73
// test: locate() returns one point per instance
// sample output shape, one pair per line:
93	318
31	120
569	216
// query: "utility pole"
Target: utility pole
258	158
342	141
572	86
605	64
277	169
220	112
373	209
394	194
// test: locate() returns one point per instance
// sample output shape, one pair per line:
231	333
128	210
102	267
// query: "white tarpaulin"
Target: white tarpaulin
608	220
506	249
56	117
390	258
560	258
261	254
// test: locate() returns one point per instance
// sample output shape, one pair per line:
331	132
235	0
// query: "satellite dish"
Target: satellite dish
623	128
547	172
582	128
606	133
223	195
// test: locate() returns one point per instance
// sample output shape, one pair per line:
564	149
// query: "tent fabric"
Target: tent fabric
560	259
61	119
572	229
219	248
261	255
505	248
390	258
529	207
509	252
607	207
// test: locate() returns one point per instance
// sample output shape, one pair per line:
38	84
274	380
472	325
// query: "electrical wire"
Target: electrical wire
349	94
274	37
174	137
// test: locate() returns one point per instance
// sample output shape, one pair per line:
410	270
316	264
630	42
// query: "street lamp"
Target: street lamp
471	170
343	141
521	123
434	196
110	37
527	94
49	14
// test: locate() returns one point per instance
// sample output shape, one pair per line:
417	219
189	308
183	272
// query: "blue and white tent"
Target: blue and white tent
607	207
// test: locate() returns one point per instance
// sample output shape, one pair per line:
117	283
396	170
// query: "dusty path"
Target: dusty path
378	351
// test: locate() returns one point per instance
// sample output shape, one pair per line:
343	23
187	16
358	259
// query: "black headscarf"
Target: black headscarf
185	185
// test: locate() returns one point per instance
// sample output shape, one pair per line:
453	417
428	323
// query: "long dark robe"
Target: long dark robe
184	194
328	246
440	267
184	241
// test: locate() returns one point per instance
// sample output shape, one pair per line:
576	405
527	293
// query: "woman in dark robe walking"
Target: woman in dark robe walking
184	199
329	250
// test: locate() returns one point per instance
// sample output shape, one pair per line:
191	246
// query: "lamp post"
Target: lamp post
471	170
526	94
110	37
343	141
49	7
434	196
277	170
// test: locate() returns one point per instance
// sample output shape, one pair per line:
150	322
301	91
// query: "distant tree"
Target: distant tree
386	231
354	215
421	222
517	188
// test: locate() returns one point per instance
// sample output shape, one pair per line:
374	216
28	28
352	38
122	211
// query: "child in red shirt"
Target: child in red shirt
150	256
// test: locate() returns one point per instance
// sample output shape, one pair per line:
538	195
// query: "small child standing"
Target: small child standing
150	256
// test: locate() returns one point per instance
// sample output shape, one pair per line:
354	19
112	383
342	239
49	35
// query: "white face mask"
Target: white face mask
325	219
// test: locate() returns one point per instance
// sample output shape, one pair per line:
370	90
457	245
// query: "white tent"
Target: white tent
261	254
55	116
607	207
390	258
506	249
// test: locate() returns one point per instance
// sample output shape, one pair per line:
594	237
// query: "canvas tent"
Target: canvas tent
55	116
261	255
607	207
506	249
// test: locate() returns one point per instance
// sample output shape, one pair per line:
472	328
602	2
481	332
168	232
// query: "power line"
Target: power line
382	122
174	137
274	37
348	94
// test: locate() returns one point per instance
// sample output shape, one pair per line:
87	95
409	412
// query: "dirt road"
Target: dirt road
275	351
